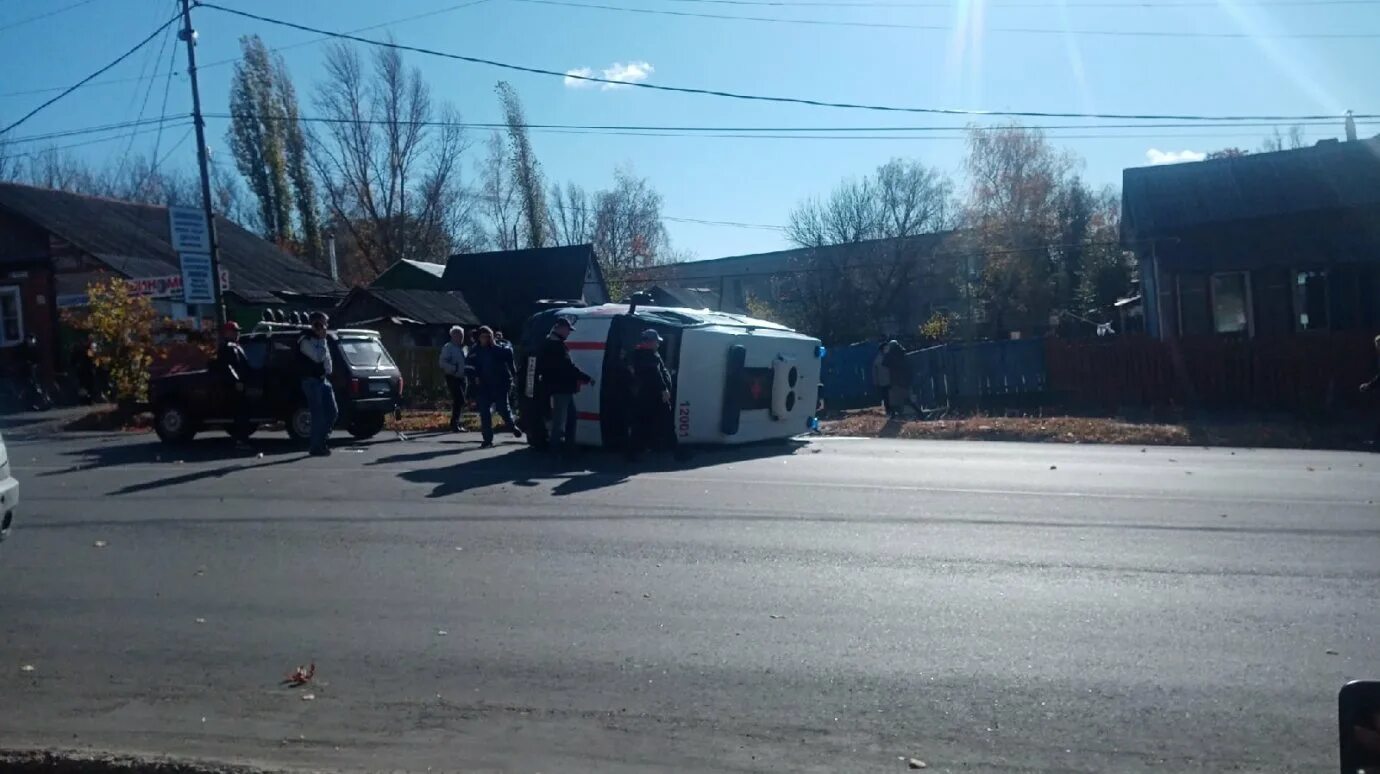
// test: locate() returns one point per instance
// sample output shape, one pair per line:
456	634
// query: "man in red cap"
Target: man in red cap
233	366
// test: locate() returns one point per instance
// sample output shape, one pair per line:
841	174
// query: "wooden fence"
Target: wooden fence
1309	372
424	384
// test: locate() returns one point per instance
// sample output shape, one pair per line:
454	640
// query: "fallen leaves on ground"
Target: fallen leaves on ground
300	675
1074	429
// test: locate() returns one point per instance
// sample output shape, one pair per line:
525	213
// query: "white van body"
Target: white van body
774	392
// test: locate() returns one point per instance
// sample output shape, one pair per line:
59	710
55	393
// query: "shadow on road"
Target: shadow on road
590	470
259	453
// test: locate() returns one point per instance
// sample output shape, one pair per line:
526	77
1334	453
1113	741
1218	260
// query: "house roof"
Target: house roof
434	269
505	284
1328	176
133	240
428	307
783	261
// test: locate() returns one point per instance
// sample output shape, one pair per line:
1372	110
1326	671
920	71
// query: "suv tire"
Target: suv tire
367	425
172	423
298	424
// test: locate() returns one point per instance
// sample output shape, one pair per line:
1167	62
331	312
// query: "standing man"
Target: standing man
233	366
652	423
1370	386
492	366
559	379
898	368
453	366
315	352
881	377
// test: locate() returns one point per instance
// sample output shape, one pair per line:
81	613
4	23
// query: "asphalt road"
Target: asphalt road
837	606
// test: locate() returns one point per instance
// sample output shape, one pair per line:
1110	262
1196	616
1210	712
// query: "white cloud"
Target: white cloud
1157	156
576	83
623	72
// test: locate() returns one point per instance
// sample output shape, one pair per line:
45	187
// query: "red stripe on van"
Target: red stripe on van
588	416
585	344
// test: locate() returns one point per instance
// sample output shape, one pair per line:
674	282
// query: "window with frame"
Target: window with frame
11	317
1310	300
1231	302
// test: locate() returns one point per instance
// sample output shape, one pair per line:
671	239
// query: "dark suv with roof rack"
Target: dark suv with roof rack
368	385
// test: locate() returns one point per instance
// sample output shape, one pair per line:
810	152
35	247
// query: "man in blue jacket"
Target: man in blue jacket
491	367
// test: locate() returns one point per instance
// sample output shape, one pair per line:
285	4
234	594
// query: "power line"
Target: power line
46	14
289	47
98	140
92	129
764	98
1140	4
167	89
951	28
153	170
147	94
83	81
1331	122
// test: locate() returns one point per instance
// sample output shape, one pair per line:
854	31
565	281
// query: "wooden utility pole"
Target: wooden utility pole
189	35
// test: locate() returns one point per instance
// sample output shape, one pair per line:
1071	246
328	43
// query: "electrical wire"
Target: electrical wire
153	170
167	89
144	104
83	81
951	28
96	141
222	62
690	130
766	98
92	129
45	15
1139	4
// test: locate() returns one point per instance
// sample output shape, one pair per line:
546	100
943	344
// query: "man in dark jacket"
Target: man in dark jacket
559	379
651	422
233	367
898	368
491	366
1370	387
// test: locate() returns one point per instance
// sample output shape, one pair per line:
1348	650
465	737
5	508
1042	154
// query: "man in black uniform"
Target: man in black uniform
558	379
233	366
651	421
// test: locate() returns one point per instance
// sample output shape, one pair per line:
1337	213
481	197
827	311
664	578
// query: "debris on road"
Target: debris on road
99	544
27	668
1053	467
201	620
1331	652
308	697
300	675
441	632
916	763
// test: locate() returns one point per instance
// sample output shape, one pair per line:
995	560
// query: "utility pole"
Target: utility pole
189	35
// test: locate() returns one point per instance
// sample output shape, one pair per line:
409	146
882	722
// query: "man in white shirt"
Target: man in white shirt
453	366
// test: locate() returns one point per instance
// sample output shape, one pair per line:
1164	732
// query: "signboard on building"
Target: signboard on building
196	279
188	231
169	287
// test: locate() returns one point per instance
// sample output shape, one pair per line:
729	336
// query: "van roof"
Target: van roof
674	316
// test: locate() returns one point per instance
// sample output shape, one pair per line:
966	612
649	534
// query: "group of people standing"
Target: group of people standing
482	371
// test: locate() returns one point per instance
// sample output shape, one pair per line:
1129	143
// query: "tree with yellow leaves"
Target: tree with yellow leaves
121	325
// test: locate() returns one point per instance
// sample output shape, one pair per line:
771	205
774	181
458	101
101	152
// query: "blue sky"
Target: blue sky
969	63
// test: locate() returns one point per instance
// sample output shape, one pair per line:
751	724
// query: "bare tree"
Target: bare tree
1290	139
390	178
11	166
500	202
628	231
862	272
572	215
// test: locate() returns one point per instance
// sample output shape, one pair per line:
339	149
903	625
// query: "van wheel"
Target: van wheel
299	424
367	425
173	424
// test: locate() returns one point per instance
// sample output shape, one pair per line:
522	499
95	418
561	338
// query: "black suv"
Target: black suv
367	385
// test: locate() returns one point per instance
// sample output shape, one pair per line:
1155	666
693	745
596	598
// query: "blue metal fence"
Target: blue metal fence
943	375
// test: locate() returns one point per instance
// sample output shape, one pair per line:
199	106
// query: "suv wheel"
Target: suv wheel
367	425
299	424
172	424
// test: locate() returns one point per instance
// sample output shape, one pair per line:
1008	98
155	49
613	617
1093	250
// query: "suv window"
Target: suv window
365	352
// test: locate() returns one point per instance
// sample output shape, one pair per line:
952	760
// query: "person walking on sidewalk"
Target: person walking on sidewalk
492	366
315	353
559	380
453	367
